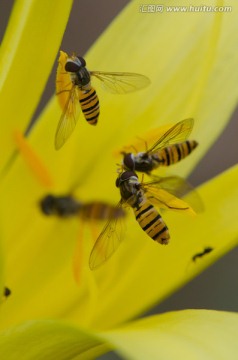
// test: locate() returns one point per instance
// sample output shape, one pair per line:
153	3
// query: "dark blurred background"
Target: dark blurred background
217	287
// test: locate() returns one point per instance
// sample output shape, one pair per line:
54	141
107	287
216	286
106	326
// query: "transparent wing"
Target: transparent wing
176	134
63	81
108	241
68	119
173	184
164	199
179	187
121	82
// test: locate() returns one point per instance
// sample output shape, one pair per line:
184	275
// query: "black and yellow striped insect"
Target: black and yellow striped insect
169	149
67	206
143	198
73	87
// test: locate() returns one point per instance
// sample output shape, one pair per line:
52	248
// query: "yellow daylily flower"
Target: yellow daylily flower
93	318
27	55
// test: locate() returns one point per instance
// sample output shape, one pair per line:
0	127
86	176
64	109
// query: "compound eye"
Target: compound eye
117	182
129	161
71	66
127	175
82	61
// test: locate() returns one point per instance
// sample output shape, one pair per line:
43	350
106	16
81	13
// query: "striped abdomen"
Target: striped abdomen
90	105
174	153
100	211
151	222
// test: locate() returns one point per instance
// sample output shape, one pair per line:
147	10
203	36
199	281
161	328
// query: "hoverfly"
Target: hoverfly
206	250
67	206
169	149
73	88
143	198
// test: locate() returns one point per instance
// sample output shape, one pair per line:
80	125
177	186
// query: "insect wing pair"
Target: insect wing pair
170	148
67	206
156	194
74	87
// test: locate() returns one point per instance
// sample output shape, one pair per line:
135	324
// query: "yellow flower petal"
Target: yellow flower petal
32	160
178	72
1	275
190	334
49	340
151	272
185	76
141	269
27	54
185	82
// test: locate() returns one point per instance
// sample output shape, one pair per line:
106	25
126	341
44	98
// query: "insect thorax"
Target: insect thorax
81	78
143	162
131	192
62	206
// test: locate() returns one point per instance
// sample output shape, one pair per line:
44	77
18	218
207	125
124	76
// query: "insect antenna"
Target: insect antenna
144	141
